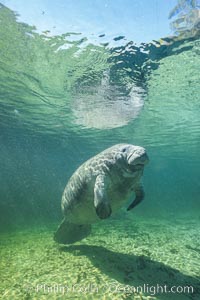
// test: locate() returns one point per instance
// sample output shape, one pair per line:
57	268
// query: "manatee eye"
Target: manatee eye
124	150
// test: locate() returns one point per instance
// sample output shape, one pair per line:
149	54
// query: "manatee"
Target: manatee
99	187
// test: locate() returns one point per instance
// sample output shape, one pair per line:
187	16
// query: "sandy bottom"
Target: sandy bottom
132	258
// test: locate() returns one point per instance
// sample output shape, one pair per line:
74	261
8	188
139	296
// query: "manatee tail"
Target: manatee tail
68	233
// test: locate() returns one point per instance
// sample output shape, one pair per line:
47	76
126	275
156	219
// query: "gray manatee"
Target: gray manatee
99	187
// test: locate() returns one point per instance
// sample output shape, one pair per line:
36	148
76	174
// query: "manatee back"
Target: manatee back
78	195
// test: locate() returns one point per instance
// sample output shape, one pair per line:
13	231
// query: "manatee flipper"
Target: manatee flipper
139	192
101	203
68	233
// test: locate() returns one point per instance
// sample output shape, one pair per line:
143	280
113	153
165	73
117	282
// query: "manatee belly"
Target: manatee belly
83	211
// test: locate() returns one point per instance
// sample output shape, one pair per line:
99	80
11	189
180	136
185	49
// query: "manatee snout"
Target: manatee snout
139	157
143	159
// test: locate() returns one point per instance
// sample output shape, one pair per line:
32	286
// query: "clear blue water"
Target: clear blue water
64	98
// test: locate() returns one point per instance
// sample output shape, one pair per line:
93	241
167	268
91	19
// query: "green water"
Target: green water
63	99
